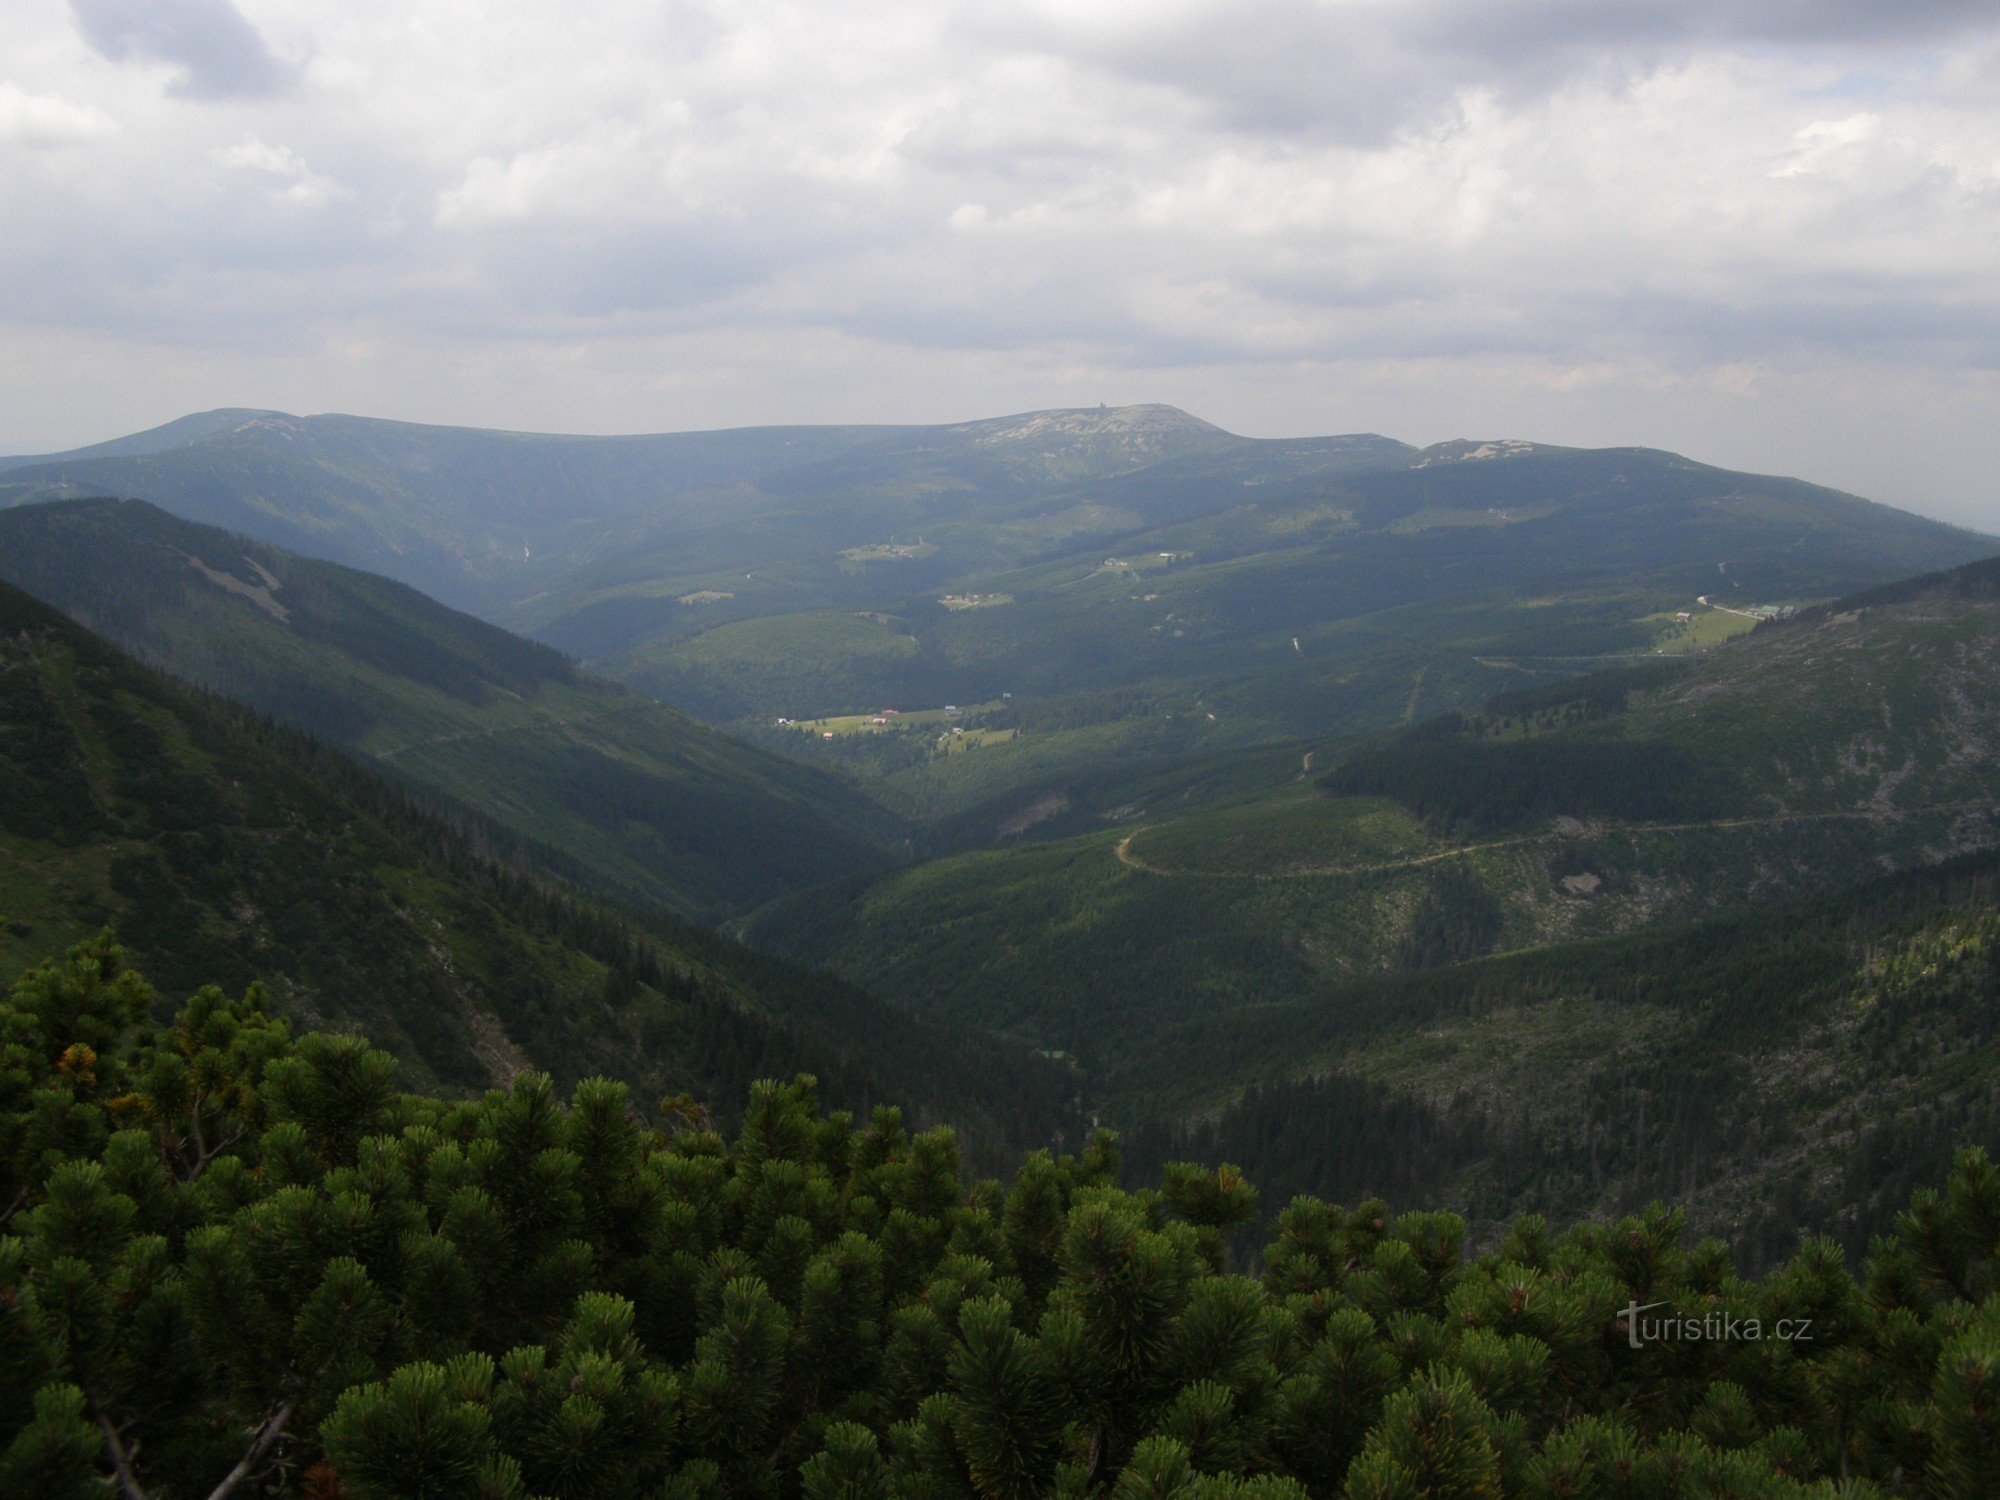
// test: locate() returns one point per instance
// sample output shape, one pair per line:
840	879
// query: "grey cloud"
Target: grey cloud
1362	72
1502	28
1818	314
690	207
609	276
1507	312
666	267
219	53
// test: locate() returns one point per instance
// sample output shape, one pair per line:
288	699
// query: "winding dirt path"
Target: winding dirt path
1123	849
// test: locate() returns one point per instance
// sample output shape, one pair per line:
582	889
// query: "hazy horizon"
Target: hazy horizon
1990	524
1760	239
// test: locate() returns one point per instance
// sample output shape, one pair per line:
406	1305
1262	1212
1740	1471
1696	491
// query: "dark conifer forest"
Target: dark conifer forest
239	1261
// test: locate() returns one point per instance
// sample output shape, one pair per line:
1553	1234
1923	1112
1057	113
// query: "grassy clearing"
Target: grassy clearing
1143	562
955	740
949	731
1433	517
889	552
795	665
1704	629
890	721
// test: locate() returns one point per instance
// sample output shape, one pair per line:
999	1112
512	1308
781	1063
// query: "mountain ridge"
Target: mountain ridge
180	432
1185	595
1797	758
223	848
660	805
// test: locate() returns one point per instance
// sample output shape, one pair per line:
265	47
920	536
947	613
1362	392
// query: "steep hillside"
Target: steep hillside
169	435
1207	568
1240	595
1809	755
447	510
1103	585
498	518
1780	1073
221	848
645	798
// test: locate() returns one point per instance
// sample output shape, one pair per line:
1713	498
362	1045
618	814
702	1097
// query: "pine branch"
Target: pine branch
209	1155
266	1435
128	1484
203	1152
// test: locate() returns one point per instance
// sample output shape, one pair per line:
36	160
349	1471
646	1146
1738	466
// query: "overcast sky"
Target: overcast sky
1765	234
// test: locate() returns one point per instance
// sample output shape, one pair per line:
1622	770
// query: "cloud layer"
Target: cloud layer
215	52
1761	234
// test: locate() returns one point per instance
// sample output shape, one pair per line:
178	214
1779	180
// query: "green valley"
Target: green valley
1481	836
1171	589
1814	748
999	751
223	849
1190	764
1270	896
648	801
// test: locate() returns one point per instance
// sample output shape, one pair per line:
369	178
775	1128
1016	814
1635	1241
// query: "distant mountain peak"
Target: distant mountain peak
1148	422
1469	450
275	421
182	432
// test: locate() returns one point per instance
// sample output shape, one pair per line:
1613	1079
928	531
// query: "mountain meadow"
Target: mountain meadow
1076	955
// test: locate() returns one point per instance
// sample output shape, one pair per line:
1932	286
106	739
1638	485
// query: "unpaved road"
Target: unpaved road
1125	856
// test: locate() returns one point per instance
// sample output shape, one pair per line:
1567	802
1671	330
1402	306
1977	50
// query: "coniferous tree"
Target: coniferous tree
240	1263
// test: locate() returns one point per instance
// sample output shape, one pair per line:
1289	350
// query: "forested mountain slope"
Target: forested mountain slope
1203	570
647	799
1301	894
1792	1070
256	1267
169	435
1808	754
1088	586
444	509
222	848
471	515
